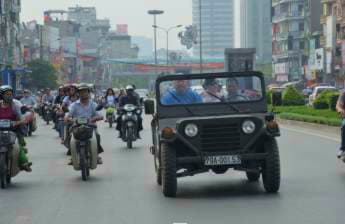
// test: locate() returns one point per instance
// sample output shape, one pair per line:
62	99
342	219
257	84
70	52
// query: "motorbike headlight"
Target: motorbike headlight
138	112
248	127
191	130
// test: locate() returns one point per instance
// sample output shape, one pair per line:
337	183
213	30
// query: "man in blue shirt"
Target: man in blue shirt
180	94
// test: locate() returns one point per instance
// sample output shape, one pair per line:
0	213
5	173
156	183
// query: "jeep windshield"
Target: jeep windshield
211	90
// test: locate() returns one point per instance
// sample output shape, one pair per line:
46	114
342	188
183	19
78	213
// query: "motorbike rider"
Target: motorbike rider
71	97
110	97
48	97
57	104
27	99
85	107
61	95
11	109
129	98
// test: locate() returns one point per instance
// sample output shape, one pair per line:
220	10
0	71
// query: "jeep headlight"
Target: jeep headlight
248	127
191	130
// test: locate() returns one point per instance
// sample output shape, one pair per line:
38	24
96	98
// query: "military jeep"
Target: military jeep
224	126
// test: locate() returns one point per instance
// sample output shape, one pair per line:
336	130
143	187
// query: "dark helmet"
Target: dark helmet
4	89
83	86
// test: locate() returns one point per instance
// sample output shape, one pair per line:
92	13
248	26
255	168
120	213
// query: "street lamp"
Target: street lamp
200	37
155	13
167	33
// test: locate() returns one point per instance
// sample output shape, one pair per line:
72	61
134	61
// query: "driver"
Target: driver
85	107
234	92
180	94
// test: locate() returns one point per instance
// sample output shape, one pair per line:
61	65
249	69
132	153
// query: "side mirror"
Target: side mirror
149	107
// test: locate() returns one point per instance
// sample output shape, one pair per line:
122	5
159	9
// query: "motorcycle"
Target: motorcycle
129	125
110	114
60	126
48	112
9	153
31	126
84	147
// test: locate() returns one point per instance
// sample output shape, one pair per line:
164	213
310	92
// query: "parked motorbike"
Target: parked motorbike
129	126
110	114
48	112
9	153
84	147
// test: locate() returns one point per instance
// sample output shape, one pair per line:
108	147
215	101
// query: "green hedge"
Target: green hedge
291	97
326	100
269	96
332	101
311	119
305	110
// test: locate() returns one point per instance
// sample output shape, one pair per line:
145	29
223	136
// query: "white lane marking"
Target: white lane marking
312	133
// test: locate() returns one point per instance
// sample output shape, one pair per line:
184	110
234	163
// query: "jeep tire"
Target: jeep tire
271	167
169	170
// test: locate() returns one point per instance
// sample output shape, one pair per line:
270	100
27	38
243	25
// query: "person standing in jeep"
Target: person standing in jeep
341	110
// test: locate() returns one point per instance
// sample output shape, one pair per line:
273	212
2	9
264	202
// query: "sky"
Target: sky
131	12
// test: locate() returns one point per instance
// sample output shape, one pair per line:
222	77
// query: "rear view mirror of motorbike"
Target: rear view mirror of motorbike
5	123
82	120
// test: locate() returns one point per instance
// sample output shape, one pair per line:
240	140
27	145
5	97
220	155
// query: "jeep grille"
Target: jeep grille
220	137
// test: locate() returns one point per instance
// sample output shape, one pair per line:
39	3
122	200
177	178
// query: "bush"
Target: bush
323	100
291	97
332	101
269	96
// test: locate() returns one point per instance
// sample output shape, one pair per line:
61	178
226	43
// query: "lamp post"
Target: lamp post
200	37
167	33
155	13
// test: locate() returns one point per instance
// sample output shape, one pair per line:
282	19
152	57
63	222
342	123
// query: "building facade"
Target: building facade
293	23
10	45
332	42
256	28
217	26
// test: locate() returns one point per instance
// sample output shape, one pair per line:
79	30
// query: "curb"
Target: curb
314	126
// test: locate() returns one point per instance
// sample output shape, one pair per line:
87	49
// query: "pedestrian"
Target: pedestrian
341	110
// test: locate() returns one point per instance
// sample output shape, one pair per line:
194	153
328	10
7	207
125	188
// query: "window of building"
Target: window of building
301	45
301	26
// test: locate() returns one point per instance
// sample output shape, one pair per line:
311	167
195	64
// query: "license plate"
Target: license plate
82	120
222	160
5	124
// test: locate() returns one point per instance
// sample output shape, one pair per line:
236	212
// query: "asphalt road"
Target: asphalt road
124	191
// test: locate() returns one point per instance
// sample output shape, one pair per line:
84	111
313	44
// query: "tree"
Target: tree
43	75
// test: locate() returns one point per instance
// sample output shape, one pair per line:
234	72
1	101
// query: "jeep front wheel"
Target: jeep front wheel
168	169
271	167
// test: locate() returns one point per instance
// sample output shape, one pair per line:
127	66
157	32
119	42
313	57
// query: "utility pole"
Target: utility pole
41	41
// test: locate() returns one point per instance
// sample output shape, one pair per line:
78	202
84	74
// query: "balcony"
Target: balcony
287	54
277	2
327	1
288	16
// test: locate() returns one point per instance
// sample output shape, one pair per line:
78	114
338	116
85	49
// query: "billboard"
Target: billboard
122	29
319	58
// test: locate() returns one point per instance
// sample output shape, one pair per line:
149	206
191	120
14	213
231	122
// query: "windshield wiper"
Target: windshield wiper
181	103
224	102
